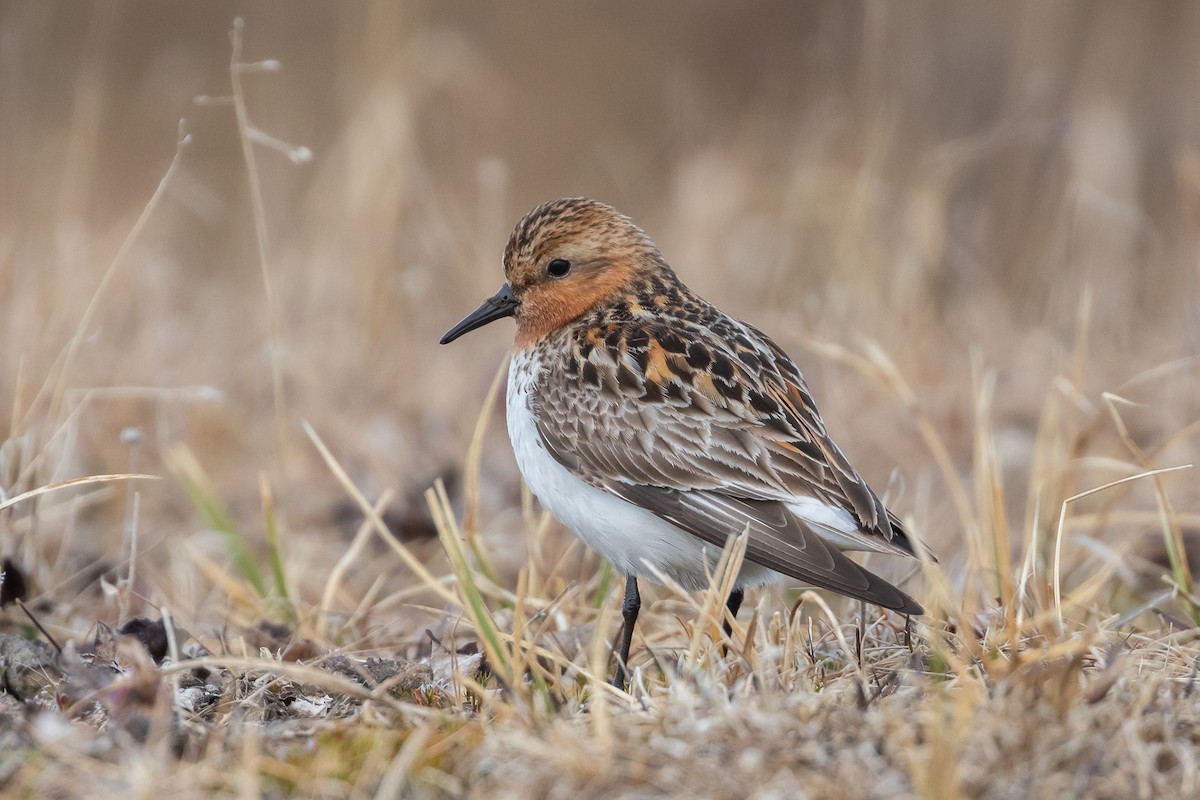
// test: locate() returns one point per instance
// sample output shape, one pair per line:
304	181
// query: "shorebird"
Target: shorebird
655	427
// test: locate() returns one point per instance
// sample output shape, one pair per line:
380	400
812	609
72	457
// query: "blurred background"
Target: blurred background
1002	202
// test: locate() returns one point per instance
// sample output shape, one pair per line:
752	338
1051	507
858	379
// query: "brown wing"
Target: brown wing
700	405
709	426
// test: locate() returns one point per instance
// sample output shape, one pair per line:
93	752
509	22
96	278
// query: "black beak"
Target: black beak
501	304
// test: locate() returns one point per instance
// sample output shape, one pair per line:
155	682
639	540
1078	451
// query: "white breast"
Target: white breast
625	534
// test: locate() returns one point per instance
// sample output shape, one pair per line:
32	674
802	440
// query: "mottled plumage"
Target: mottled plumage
653	424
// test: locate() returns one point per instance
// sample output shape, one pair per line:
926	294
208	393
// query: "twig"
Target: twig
258	209
38	625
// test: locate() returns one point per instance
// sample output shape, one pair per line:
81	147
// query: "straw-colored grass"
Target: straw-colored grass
975	228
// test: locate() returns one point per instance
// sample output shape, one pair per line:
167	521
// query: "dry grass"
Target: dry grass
977	229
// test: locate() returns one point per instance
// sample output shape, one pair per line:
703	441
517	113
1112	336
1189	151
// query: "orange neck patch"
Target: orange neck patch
547	307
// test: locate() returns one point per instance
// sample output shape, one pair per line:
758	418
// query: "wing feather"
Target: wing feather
705	422
725	413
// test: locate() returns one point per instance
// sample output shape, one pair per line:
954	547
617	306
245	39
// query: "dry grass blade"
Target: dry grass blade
480	615
396	777
135	234
1061	532
380	527
471	487
720	584
301	673
54	487
258	208
352	554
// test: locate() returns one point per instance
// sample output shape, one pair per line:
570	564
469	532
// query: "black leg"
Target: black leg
629	610
733	604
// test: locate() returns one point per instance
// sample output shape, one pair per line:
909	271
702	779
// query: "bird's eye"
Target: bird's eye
558	267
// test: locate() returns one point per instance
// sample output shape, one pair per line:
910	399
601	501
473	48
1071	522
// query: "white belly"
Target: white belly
624	534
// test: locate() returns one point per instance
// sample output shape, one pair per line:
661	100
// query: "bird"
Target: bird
655	427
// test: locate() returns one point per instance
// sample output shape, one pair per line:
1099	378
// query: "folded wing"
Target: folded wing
707	424
777	539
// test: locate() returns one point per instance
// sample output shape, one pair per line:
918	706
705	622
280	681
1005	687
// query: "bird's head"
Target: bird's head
565	258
